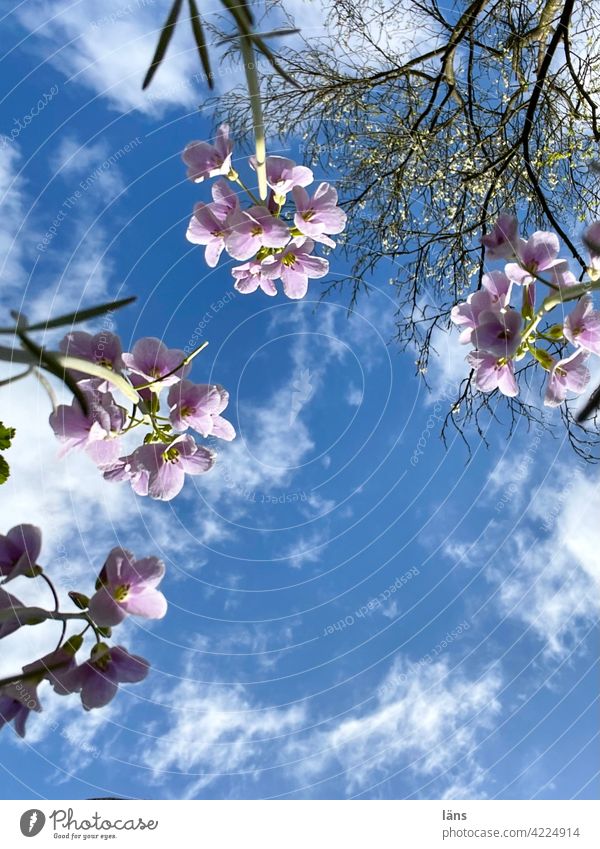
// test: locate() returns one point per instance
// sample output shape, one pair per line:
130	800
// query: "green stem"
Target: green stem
560	297
257	116
250	194
16	377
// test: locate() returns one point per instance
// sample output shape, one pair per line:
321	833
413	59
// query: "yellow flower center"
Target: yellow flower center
171	455
288	260
120	593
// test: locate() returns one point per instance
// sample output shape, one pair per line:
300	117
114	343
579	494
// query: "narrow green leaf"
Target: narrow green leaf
4	470
260	45
245	6
81	315
163	42
200	41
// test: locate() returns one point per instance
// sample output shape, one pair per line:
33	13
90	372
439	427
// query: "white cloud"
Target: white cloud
554	585
426	718
107	46
216	730
13	210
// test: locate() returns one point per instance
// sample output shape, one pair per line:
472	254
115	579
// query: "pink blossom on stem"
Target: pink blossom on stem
102	348
582	326
466	314
200	406
207	228
250	276
97	680
10	602
128	587
498	332
19	551
209	224
207	160
163	467
499	287
94	432
503	240
151	359
493	372
539	253
568	375
252	229
16	703
283	174
591	239
319	215
295	265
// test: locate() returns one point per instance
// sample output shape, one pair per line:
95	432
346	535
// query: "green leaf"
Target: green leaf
7	434
4	470
163	42
13	355
200	41
82	315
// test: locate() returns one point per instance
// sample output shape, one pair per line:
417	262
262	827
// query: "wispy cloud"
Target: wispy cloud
425	723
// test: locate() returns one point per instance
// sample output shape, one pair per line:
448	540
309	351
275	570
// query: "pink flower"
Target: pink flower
16	703
9	602
103	349
283	174
207	160
94	432
122	470
128	587
499	287
19	551
98	679
205	228
466	314
295	265
493	372
319	215
538	253
503	239
209	223
591	239
200	406
582	326
498	332
249	230
160	469
570	374
151	359
250	276
560	276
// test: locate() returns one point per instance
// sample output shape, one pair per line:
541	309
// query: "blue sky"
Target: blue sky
355	611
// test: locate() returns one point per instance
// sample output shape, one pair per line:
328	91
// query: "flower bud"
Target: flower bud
79	600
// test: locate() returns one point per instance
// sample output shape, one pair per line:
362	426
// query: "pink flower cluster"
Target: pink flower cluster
272	243
159	465
125	586
502	334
